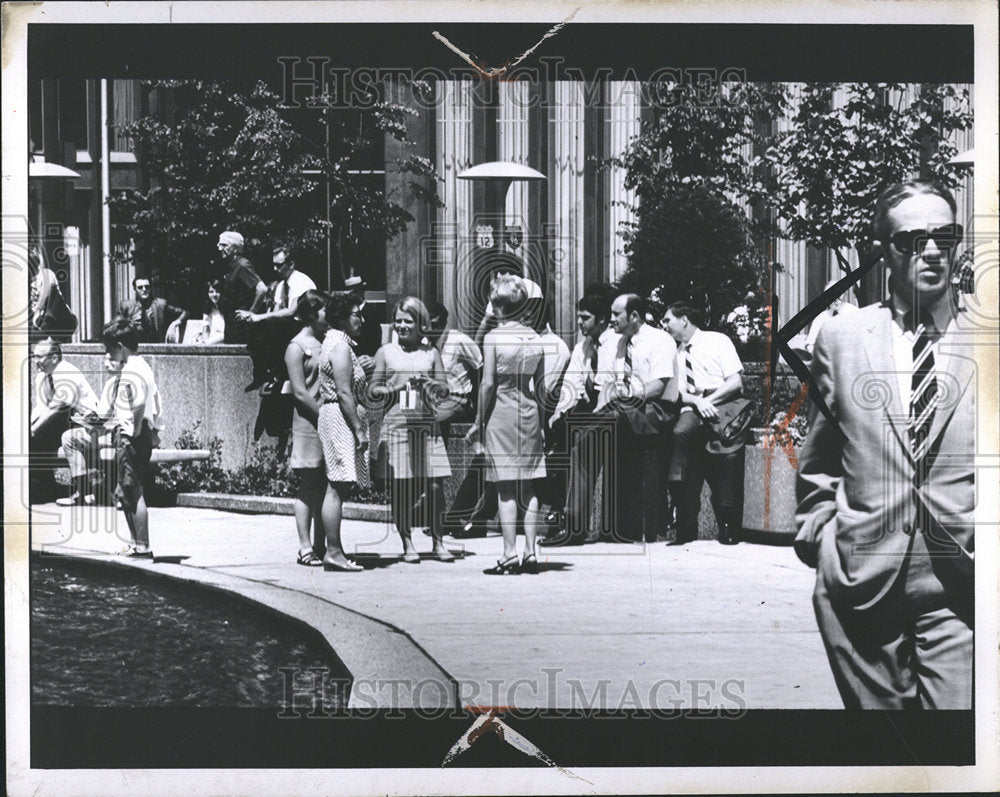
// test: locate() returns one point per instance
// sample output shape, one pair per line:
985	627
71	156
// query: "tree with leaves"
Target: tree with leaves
223	156
692	237
826	172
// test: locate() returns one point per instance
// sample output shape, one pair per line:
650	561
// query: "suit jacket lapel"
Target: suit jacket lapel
878	348
955	373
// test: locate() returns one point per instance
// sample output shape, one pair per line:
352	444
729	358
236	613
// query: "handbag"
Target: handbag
734	420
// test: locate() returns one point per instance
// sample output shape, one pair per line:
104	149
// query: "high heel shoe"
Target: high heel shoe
529	564
505	567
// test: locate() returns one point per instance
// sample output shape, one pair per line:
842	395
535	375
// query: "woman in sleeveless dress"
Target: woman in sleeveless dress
416	452
302	358
509	422
343	422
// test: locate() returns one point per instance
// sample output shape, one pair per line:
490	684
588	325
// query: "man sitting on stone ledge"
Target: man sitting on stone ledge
640	413
273	324
60	391
152	316
710	374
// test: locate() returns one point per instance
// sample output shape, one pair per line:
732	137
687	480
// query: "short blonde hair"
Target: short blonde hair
508	294
416	309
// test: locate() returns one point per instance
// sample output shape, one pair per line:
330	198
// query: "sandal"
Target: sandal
308	559
505	567
336	567
133	553
530	564
444	555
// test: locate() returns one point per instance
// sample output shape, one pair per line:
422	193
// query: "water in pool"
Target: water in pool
104	637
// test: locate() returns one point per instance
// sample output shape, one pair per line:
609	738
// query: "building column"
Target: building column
623	124
566	161
452	244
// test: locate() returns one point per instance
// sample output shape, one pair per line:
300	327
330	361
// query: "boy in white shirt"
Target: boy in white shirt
130	409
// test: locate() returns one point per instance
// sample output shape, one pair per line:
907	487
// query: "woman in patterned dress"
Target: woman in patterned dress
508	420
302	358
416	452
343	423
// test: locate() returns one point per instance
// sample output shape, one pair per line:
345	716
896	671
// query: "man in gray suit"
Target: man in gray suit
887	492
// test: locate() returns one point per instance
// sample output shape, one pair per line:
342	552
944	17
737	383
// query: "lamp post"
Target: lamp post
489	255
497	176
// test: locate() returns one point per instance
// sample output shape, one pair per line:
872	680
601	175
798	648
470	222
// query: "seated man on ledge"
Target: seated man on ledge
710	375
642	410
60	391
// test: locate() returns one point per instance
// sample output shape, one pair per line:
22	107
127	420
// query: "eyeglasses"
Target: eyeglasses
946	238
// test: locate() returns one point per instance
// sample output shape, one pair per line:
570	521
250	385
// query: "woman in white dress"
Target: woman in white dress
509	423
343	423
411	370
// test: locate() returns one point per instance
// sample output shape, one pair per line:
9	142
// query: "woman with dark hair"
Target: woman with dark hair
343	423
409	376
215	325
302	359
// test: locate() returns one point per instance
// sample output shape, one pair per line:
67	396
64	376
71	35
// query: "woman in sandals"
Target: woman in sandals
302	358
509	421
411	370
343	423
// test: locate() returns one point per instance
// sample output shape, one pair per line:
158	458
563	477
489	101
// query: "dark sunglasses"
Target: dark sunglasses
909	241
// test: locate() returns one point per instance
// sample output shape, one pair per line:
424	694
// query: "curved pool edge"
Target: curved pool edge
388	668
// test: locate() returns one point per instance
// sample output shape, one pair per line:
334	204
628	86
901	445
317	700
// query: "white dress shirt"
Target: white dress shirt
298	283
134	397
68	389
461	359
713	360
653	355
573	388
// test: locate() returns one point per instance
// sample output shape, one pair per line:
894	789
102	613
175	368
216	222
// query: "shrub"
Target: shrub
266	473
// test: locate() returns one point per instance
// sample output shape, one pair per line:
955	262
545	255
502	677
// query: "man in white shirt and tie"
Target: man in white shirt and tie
591	367
274	326
709	374
640	407
60	391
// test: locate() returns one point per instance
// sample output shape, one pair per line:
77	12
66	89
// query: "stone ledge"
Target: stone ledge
270	505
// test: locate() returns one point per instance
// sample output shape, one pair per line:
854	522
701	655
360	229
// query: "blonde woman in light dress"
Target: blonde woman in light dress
509	421
343	422
416	452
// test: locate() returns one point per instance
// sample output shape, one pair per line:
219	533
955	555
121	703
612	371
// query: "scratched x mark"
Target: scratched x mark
488	721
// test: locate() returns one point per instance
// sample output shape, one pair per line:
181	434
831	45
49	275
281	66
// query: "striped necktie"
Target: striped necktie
627	370
590	384
689	371
923	392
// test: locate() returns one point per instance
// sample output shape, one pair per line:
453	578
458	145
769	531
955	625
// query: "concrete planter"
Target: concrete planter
769	483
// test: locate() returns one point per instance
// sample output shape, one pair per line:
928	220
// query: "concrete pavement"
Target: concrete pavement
602	626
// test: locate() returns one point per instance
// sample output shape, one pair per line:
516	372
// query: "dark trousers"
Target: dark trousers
266	342
627	440
42	448
691	466
476	499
